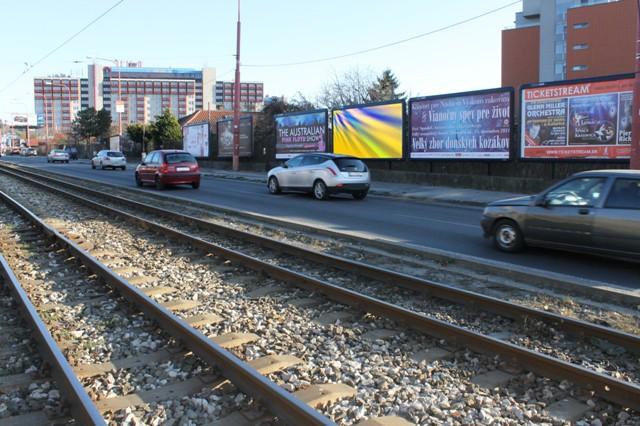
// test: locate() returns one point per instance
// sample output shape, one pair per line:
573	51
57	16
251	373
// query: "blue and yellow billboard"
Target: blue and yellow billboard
369	131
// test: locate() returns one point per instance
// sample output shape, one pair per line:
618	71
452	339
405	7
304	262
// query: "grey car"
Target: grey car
596	212
322	175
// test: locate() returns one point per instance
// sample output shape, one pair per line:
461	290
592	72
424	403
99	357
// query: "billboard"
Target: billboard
587	119
225	137
301	132
472	125
369	131
195	139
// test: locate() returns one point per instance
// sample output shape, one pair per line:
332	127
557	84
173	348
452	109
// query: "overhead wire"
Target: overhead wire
384	46
61	45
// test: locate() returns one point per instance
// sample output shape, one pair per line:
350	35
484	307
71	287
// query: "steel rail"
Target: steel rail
580	328
281	403
81	406
618	391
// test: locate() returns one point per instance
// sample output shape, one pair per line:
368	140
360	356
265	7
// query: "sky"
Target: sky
199	33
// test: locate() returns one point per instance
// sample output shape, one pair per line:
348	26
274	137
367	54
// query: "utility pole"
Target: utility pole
236	102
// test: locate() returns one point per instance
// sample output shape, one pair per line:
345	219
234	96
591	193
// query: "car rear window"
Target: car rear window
350	165
179	157
114	154
625	194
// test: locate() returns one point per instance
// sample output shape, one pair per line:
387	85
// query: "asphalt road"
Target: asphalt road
447	227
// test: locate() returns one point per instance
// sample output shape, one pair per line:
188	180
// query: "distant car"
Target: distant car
14	150
595	212
72	151
57	155
27	151
109	159
168	167
322	175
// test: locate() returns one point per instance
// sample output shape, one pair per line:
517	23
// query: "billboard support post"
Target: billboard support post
635	122
236	102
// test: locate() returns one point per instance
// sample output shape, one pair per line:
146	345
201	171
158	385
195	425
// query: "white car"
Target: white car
57	155
322	175
109	159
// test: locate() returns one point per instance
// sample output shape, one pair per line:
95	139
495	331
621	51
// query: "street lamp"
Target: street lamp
119	105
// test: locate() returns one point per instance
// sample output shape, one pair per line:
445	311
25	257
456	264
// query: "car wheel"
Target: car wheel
93	165
102	166
195	185
274	186
48	161
67	161
320	190
138	180
159	185
124	168
507	236
360	195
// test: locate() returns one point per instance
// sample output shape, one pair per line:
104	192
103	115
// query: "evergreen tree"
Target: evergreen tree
385	87
166	131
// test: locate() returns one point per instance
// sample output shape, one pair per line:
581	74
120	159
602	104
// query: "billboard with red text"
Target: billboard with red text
588	119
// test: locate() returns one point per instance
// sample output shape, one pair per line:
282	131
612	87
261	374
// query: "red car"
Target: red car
168	167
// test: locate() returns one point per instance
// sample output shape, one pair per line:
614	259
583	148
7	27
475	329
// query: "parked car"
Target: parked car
14	150
596	212
27	151
109	159
57	155
322	175
72	151
168	167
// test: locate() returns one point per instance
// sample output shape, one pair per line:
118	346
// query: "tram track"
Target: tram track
547	367
86	308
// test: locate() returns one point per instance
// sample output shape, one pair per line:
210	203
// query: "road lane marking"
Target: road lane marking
423	218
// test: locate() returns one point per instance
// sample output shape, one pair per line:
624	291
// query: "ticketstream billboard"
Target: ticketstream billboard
369	131
195	139
577	120
297	133
473	125
225	137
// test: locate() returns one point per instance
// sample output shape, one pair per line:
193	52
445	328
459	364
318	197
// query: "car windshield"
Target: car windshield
179	157
57	151
350	165
114	154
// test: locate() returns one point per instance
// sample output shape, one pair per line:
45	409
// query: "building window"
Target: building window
580	25
580	46
579	68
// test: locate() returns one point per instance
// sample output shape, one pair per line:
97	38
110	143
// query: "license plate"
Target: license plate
182	169
355	174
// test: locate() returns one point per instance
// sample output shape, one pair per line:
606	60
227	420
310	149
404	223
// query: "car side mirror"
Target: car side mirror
143	164
542	201
285	166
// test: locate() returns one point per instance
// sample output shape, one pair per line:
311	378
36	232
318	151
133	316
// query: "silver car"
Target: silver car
596	212
322	175
57	155
111	159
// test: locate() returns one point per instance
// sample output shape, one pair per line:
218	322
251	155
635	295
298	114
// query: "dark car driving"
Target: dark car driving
168	167
596	212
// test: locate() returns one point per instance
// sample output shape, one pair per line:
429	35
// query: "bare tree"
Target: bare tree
351	87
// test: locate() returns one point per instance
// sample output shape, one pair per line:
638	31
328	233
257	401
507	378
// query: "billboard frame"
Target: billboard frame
512	143
403	102
598	79
225	157
208	137
313	111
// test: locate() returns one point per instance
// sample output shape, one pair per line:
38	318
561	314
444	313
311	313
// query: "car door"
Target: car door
308	171
289	177
564	216
617	225
147	169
